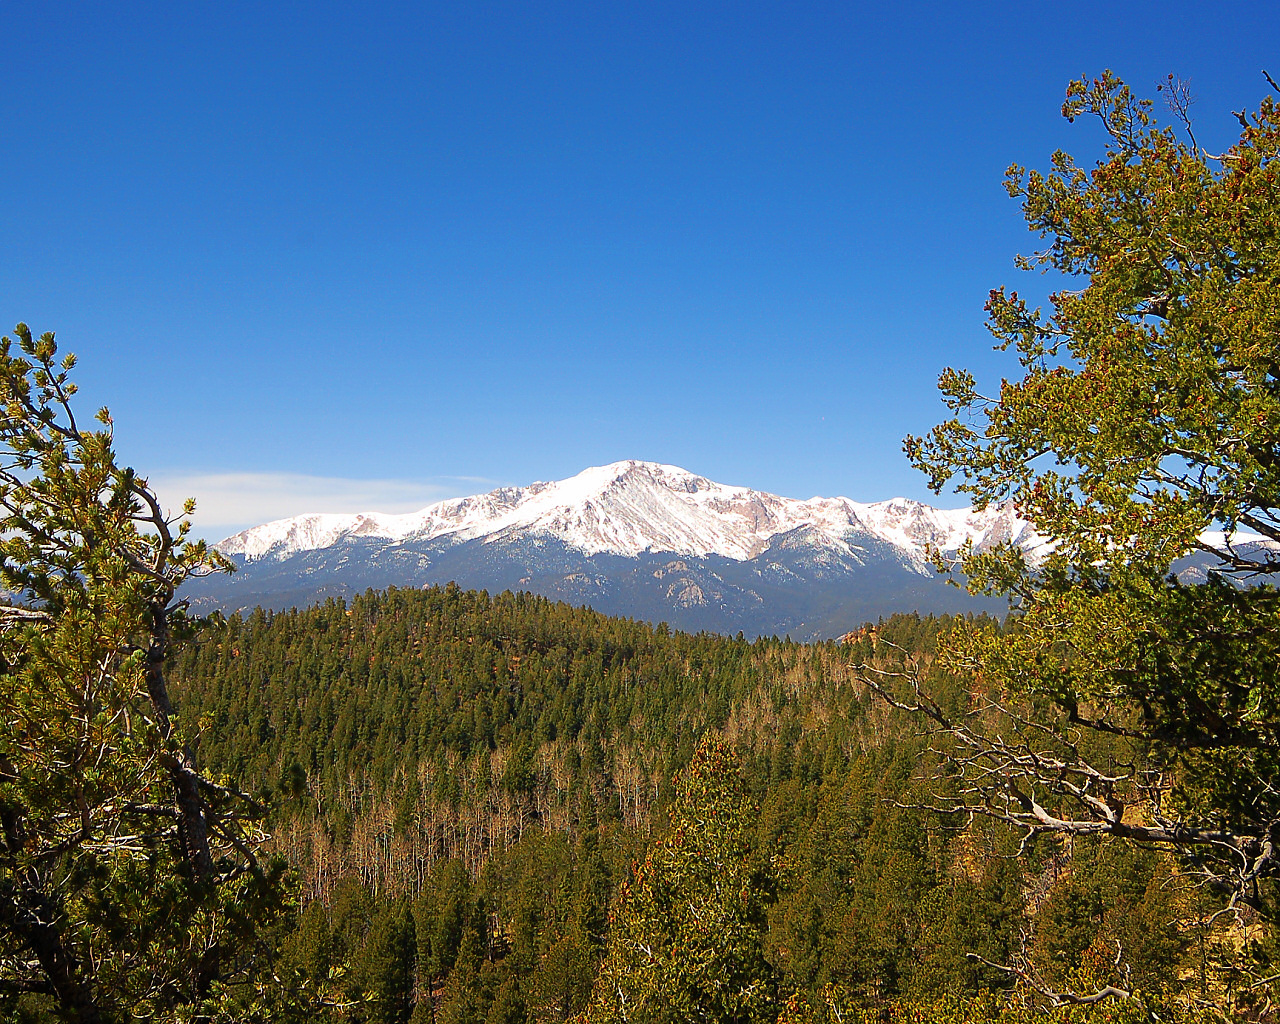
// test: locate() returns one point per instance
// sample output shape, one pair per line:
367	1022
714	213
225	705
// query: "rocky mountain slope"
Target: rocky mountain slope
633	538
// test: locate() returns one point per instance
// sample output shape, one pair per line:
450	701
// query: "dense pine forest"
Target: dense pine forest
465	783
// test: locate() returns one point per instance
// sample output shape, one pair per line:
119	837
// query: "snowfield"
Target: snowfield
631	507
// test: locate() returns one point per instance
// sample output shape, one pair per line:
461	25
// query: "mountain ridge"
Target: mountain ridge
637	539
630	507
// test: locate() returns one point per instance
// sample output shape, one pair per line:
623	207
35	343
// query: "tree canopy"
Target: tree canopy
686	936
130	882
1137	696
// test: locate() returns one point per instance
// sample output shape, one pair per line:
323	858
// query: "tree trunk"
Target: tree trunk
192	827
28	913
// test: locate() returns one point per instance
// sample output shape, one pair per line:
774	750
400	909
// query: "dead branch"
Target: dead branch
1050	787
1056	998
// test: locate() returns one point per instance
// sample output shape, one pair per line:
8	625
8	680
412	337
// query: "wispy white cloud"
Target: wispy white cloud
229	502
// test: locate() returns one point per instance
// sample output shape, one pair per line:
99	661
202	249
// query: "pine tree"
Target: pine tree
129	881
686	937
388	967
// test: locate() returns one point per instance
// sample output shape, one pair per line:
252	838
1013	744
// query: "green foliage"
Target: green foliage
443	910
1117	896
1147	410
387	968
832	1006
129	881
469	991
876	901
686	936
825	774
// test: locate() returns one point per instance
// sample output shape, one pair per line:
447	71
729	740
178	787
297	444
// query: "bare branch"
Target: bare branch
1056	998
1051	788
1179	99
15	613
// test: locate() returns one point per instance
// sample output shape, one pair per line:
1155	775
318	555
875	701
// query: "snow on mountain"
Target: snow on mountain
627	508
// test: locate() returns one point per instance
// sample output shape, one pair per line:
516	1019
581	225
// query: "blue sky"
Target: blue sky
327	257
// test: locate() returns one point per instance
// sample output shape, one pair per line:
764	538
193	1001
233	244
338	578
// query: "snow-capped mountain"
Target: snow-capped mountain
633	538
628	508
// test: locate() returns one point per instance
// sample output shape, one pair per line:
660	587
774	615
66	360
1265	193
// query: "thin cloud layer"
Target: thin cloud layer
227	503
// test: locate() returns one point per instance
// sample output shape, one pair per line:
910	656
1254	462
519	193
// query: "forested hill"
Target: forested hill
463	782
408	678
517	709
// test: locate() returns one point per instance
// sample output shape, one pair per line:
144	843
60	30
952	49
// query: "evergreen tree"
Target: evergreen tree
686	937
1129	701
388	967
130	882
466	995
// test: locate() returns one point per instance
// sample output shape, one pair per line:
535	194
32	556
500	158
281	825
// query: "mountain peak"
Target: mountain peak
641	539
628	507
633	471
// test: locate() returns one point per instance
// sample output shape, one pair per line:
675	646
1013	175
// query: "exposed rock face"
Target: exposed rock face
631	507
638	539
